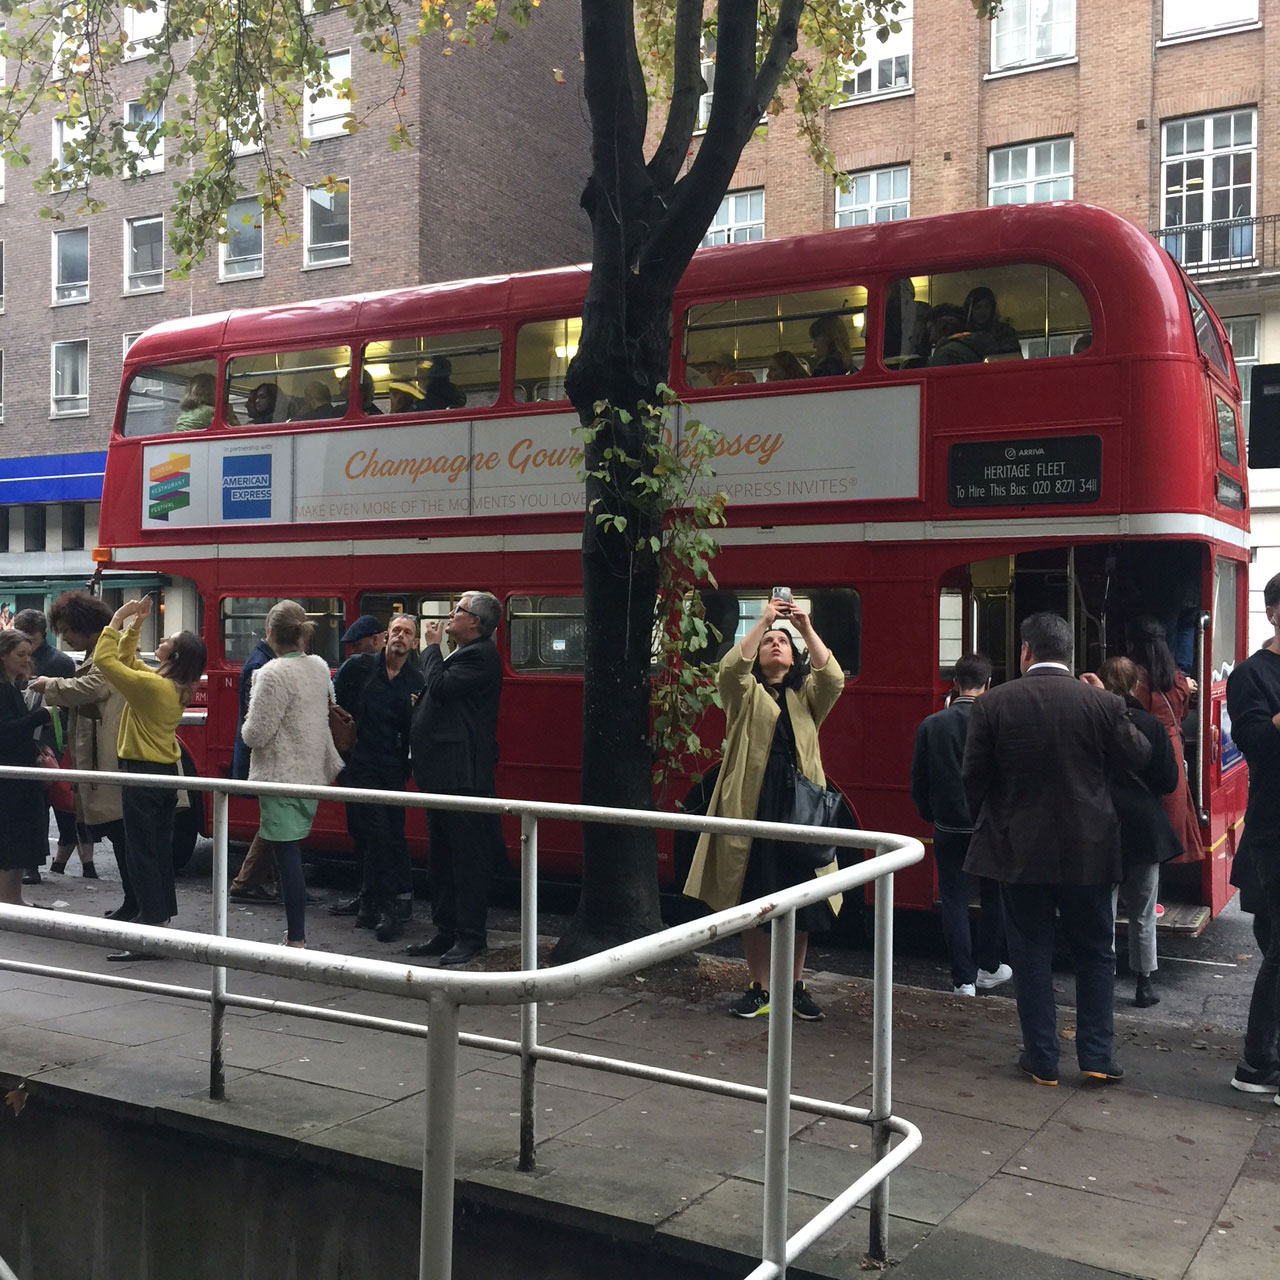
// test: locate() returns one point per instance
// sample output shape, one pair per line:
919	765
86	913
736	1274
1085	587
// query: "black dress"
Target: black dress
24	831
774	864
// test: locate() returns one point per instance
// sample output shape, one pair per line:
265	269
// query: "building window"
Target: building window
1031	173
241	255
887	68
70	378
1243	332
739	218
73	526
68	137
328	226
142	26
1029	31
144	254
708	67
71	265
328	106
245	130
34	525
1	275
1192	17
1210	164
875	195
145	140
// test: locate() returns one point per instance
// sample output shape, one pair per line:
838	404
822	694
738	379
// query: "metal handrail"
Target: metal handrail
1225	245
446	991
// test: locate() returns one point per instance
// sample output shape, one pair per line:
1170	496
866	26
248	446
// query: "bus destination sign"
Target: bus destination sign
1016	473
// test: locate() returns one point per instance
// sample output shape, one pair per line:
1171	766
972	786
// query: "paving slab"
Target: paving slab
1244	1240
950	1254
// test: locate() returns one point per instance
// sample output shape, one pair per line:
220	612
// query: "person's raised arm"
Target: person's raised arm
819	654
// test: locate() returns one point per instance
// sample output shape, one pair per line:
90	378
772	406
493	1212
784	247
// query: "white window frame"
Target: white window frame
1199	17
65	131
734	222
224	257
707	65
148	161
249	148
867	201
881	74
152	280
141	27
1245	333
80	408
1217	242
1030	33
2	279
309	261
63	294
1037	183
326	116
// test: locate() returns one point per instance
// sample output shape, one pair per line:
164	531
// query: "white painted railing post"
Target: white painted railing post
217	972
529	1011
438	1148
777	1114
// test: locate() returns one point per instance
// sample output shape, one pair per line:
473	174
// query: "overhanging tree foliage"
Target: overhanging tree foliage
227	74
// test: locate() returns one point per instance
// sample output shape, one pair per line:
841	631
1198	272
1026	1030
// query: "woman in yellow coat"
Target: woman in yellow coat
774	700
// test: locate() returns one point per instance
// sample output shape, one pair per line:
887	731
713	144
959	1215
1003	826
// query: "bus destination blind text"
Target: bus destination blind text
1005	473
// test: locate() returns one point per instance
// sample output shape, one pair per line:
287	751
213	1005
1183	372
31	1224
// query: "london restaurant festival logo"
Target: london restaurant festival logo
169	486
246	487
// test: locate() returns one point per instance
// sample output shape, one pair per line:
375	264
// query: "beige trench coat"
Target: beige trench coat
95	710
751	715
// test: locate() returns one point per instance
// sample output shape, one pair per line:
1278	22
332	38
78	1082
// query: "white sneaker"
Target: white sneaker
964	989
994	978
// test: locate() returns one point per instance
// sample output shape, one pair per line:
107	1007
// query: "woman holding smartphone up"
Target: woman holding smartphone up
775	699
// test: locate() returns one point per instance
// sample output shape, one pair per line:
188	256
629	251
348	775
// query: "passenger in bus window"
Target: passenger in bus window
785	366
775	700
832	348
948	340
368	405
261	404
721	370
317	402
438	388
1082	344
980	317
195	410
405	397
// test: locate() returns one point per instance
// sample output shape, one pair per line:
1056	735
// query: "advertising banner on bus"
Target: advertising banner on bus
864	444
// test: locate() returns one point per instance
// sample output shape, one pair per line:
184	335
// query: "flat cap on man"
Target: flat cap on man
362	628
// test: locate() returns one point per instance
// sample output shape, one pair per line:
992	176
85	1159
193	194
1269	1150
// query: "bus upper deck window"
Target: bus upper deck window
432	373
778	338
171	397
987	315
288	386
543	351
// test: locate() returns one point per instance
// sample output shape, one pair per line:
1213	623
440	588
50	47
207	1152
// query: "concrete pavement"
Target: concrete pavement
1171	1175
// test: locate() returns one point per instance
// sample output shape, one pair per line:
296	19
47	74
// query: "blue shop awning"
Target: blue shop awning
53	477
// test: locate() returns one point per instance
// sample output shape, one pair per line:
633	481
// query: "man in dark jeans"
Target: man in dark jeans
253	880
1036	777
48	661
938	792
1253	703
379	689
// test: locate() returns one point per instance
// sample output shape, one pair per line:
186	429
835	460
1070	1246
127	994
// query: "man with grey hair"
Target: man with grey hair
1036	778
455	751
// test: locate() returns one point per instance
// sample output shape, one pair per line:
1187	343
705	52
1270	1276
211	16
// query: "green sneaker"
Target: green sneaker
752	1003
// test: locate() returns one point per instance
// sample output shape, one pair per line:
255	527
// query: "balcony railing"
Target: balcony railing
1226	247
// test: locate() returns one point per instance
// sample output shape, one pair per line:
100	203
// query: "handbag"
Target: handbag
342	725
814	806
62	794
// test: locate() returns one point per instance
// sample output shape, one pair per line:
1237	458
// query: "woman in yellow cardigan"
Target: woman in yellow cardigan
148	743
774	701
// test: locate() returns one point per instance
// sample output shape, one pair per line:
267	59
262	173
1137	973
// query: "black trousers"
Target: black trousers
114	831
148	825
460	866
377	831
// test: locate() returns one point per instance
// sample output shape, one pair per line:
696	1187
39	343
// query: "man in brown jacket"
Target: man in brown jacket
1035	774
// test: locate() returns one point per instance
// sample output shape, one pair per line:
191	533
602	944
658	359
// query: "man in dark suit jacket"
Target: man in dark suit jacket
454	738
1035	773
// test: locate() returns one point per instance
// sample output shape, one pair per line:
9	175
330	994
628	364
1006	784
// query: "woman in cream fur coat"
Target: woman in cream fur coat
287	731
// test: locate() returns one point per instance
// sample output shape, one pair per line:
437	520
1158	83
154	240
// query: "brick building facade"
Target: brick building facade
492	184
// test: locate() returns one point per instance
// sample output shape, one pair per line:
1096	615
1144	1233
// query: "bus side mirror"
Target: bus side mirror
1264	416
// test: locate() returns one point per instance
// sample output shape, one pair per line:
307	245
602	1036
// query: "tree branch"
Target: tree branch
687	90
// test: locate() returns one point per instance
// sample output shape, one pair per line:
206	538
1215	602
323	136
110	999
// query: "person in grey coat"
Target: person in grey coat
1036	776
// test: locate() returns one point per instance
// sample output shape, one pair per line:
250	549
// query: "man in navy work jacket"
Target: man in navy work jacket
938	792
1035	773
455	751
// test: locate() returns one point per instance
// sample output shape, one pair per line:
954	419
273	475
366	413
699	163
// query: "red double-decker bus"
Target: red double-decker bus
931	429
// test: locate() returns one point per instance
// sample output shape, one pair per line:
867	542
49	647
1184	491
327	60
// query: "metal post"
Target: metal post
882	1061
436	1228
528	1011
217	973
777	1115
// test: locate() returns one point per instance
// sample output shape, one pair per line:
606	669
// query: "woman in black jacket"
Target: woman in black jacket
24	833
1147	837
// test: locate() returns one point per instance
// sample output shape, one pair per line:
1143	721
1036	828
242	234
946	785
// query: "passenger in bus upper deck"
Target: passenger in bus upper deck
317	402
405	397
261	404
721	370
368	405
438	387
980	317
785	366
195	410
832	347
